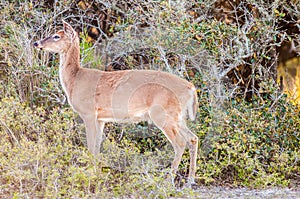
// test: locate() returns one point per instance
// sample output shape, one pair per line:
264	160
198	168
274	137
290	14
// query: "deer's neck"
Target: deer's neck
69	66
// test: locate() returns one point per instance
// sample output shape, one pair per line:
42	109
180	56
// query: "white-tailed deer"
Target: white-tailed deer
125	96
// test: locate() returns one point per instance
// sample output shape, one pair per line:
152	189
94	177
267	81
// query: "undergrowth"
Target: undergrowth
243	142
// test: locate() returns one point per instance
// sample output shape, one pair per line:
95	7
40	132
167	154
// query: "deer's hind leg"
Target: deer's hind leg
169	126
177	141
180	136
192	142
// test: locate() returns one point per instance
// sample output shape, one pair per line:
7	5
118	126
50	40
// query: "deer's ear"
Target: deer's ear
69	30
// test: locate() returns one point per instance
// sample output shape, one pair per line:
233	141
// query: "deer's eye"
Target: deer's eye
56	37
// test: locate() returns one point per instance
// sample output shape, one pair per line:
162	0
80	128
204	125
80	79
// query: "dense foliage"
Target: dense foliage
249	130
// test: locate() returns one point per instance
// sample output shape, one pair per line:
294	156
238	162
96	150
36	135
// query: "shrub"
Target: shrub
257	145
251	142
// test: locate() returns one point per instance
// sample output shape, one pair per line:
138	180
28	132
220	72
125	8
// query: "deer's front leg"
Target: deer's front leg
100	136
94	133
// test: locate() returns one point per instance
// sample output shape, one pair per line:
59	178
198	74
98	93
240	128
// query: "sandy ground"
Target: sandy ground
272	193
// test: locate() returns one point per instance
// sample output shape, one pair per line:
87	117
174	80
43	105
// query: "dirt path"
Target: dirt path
271	193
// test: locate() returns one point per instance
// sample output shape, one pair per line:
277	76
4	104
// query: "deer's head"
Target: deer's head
59	42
